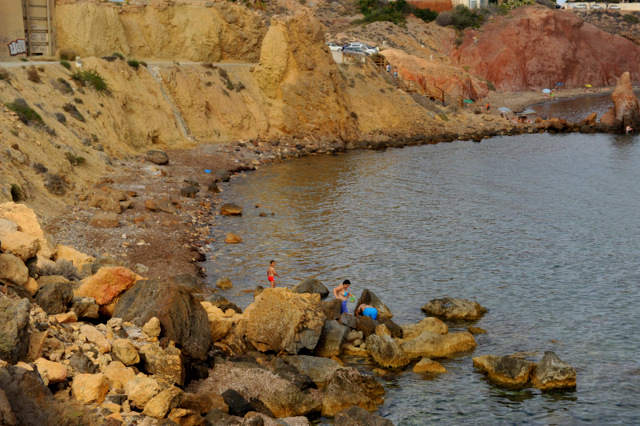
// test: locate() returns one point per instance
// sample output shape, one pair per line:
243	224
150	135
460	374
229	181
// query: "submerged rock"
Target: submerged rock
454	309
356	416
231	209
553	373
434	345
505	371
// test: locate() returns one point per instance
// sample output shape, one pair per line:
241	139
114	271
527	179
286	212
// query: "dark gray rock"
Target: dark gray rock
331	338
370	298
82	364
222	176
395	329
189	191
220	418
182	317
330	308
366	324
29	398
55	297
356	416
14	329
292	375
239	406
85	307
349	320
157	157
313	286
318	369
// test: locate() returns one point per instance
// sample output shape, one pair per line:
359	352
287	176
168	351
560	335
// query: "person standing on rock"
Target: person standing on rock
367	311
340	292
272	274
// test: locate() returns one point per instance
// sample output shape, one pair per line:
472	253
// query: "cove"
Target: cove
540	229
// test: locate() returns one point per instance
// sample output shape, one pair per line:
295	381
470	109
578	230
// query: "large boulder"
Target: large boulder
454	309
311	285
156	156
366	324
141	389
434	345
159	405
13	270
55	297
28	223
125	351
14	329
320	370
356	416
409	331
348	388
28	396
331	338
331	309
256	383
370	298
553	373
106	286
20	244
90	388
7	417
504	370
182	317
386	351
283	321
626	109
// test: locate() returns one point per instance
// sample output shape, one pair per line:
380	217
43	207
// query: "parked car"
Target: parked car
354	49
596	6
614	7
370	50
334	46
580	6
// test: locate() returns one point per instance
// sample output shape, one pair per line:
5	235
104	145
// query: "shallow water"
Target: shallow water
541	229
576	109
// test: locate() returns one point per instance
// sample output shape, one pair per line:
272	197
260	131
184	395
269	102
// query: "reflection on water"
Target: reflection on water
576	109
543	230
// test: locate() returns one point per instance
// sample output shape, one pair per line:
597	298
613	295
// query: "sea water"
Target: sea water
541	229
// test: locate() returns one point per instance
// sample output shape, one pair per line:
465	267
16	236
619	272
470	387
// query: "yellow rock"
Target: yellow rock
426	365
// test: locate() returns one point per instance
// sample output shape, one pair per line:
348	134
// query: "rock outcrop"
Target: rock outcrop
626	109
553	373
434	345
14	332
559	46
370	298
311	285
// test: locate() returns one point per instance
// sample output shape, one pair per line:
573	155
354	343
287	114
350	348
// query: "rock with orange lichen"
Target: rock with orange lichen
106	286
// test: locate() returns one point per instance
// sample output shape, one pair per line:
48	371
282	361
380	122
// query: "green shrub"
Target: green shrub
630	19
91	78
55	184
26	114
63	86
133	63
380	10
23	59
74	159
143	63
65	64
427	15
461	18
118	55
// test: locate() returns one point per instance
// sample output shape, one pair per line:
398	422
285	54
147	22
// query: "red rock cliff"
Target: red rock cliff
535	48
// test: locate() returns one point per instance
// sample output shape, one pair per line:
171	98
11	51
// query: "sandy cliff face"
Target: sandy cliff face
161	30
535	48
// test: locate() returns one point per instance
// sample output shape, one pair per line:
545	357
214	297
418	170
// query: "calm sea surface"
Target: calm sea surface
543	230
576	109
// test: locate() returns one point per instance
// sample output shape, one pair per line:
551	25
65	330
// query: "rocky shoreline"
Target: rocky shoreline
135	338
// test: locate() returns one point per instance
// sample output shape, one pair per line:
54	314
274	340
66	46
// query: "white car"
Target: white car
369	50
596	6
334	46
580	6
614	7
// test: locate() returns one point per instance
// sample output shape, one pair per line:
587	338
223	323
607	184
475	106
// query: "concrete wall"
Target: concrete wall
11	29
437	5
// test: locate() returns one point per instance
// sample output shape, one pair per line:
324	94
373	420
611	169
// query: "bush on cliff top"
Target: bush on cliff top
91	78
461	18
